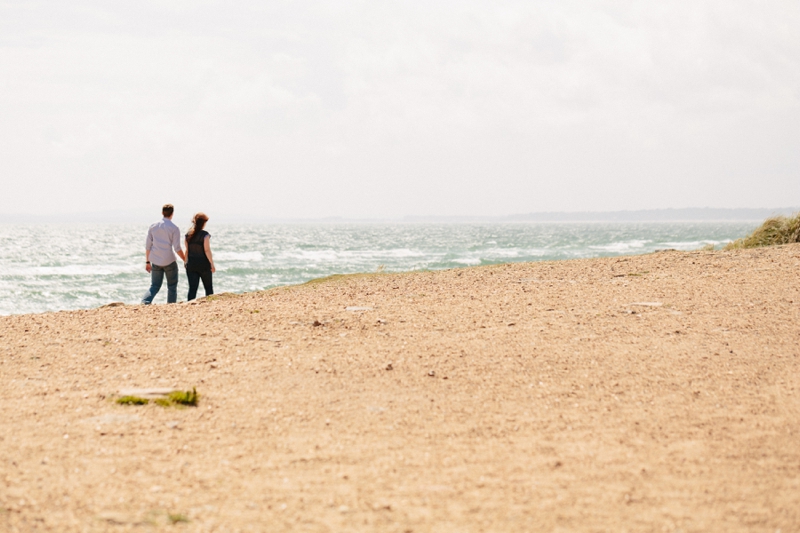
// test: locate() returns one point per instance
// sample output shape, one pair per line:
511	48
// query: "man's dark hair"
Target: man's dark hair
167	210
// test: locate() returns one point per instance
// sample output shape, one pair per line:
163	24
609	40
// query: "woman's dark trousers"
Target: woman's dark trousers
194	283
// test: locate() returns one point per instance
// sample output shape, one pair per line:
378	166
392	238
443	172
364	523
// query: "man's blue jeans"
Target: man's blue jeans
157	277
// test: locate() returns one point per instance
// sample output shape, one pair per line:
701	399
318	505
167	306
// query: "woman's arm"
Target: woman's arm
207	246
186	257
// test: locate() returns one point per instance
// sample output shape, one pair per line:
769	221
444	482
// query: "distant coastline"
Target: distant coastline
690	214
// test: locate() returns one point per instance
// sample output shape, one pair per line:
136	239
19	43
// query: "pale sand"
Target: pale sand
556	403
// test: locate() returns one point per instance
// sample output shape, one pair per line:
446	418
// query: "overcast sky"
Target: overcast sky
384	109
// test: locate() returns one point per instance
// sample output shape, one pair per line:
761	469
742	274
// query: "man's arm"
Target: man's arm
176	244
148	245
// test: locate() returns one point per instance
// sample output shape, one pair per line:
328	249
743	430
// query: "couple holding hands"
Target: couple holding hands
163	242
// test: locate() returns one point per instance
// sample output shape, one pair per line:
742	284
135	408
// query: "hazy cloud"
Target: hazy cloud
381	109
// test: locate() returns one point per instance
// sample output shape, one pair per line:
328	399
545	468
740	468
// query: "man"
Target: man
163	241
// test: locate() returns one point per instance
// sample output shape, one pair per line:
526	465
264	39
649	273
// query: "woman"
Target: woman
199	262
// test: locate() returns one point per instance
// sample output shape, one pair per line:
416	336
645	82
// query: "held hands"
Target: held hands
148	267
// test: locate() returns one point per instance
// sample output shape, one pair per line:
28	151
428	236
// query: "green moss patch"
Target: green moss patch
174	398
185	397
177	518
326	279
132	400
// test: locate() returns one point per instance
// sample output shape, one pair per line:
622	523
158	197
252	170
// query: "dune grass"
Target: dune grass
774	231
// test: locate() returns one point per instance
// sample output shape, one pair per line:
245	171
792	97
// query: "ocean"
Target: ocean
50	267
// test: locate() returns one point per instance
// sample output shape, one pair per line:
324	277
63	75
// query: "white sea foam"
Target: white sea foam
467	261
402	252
623	246
237	256
78	270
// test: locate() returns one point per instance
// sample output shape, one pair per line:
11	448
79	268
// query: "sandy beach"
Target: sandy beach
644	393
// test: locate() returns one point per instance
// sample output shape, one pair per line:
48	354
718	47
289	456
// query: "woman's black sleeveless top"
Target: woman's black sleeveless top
197	259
